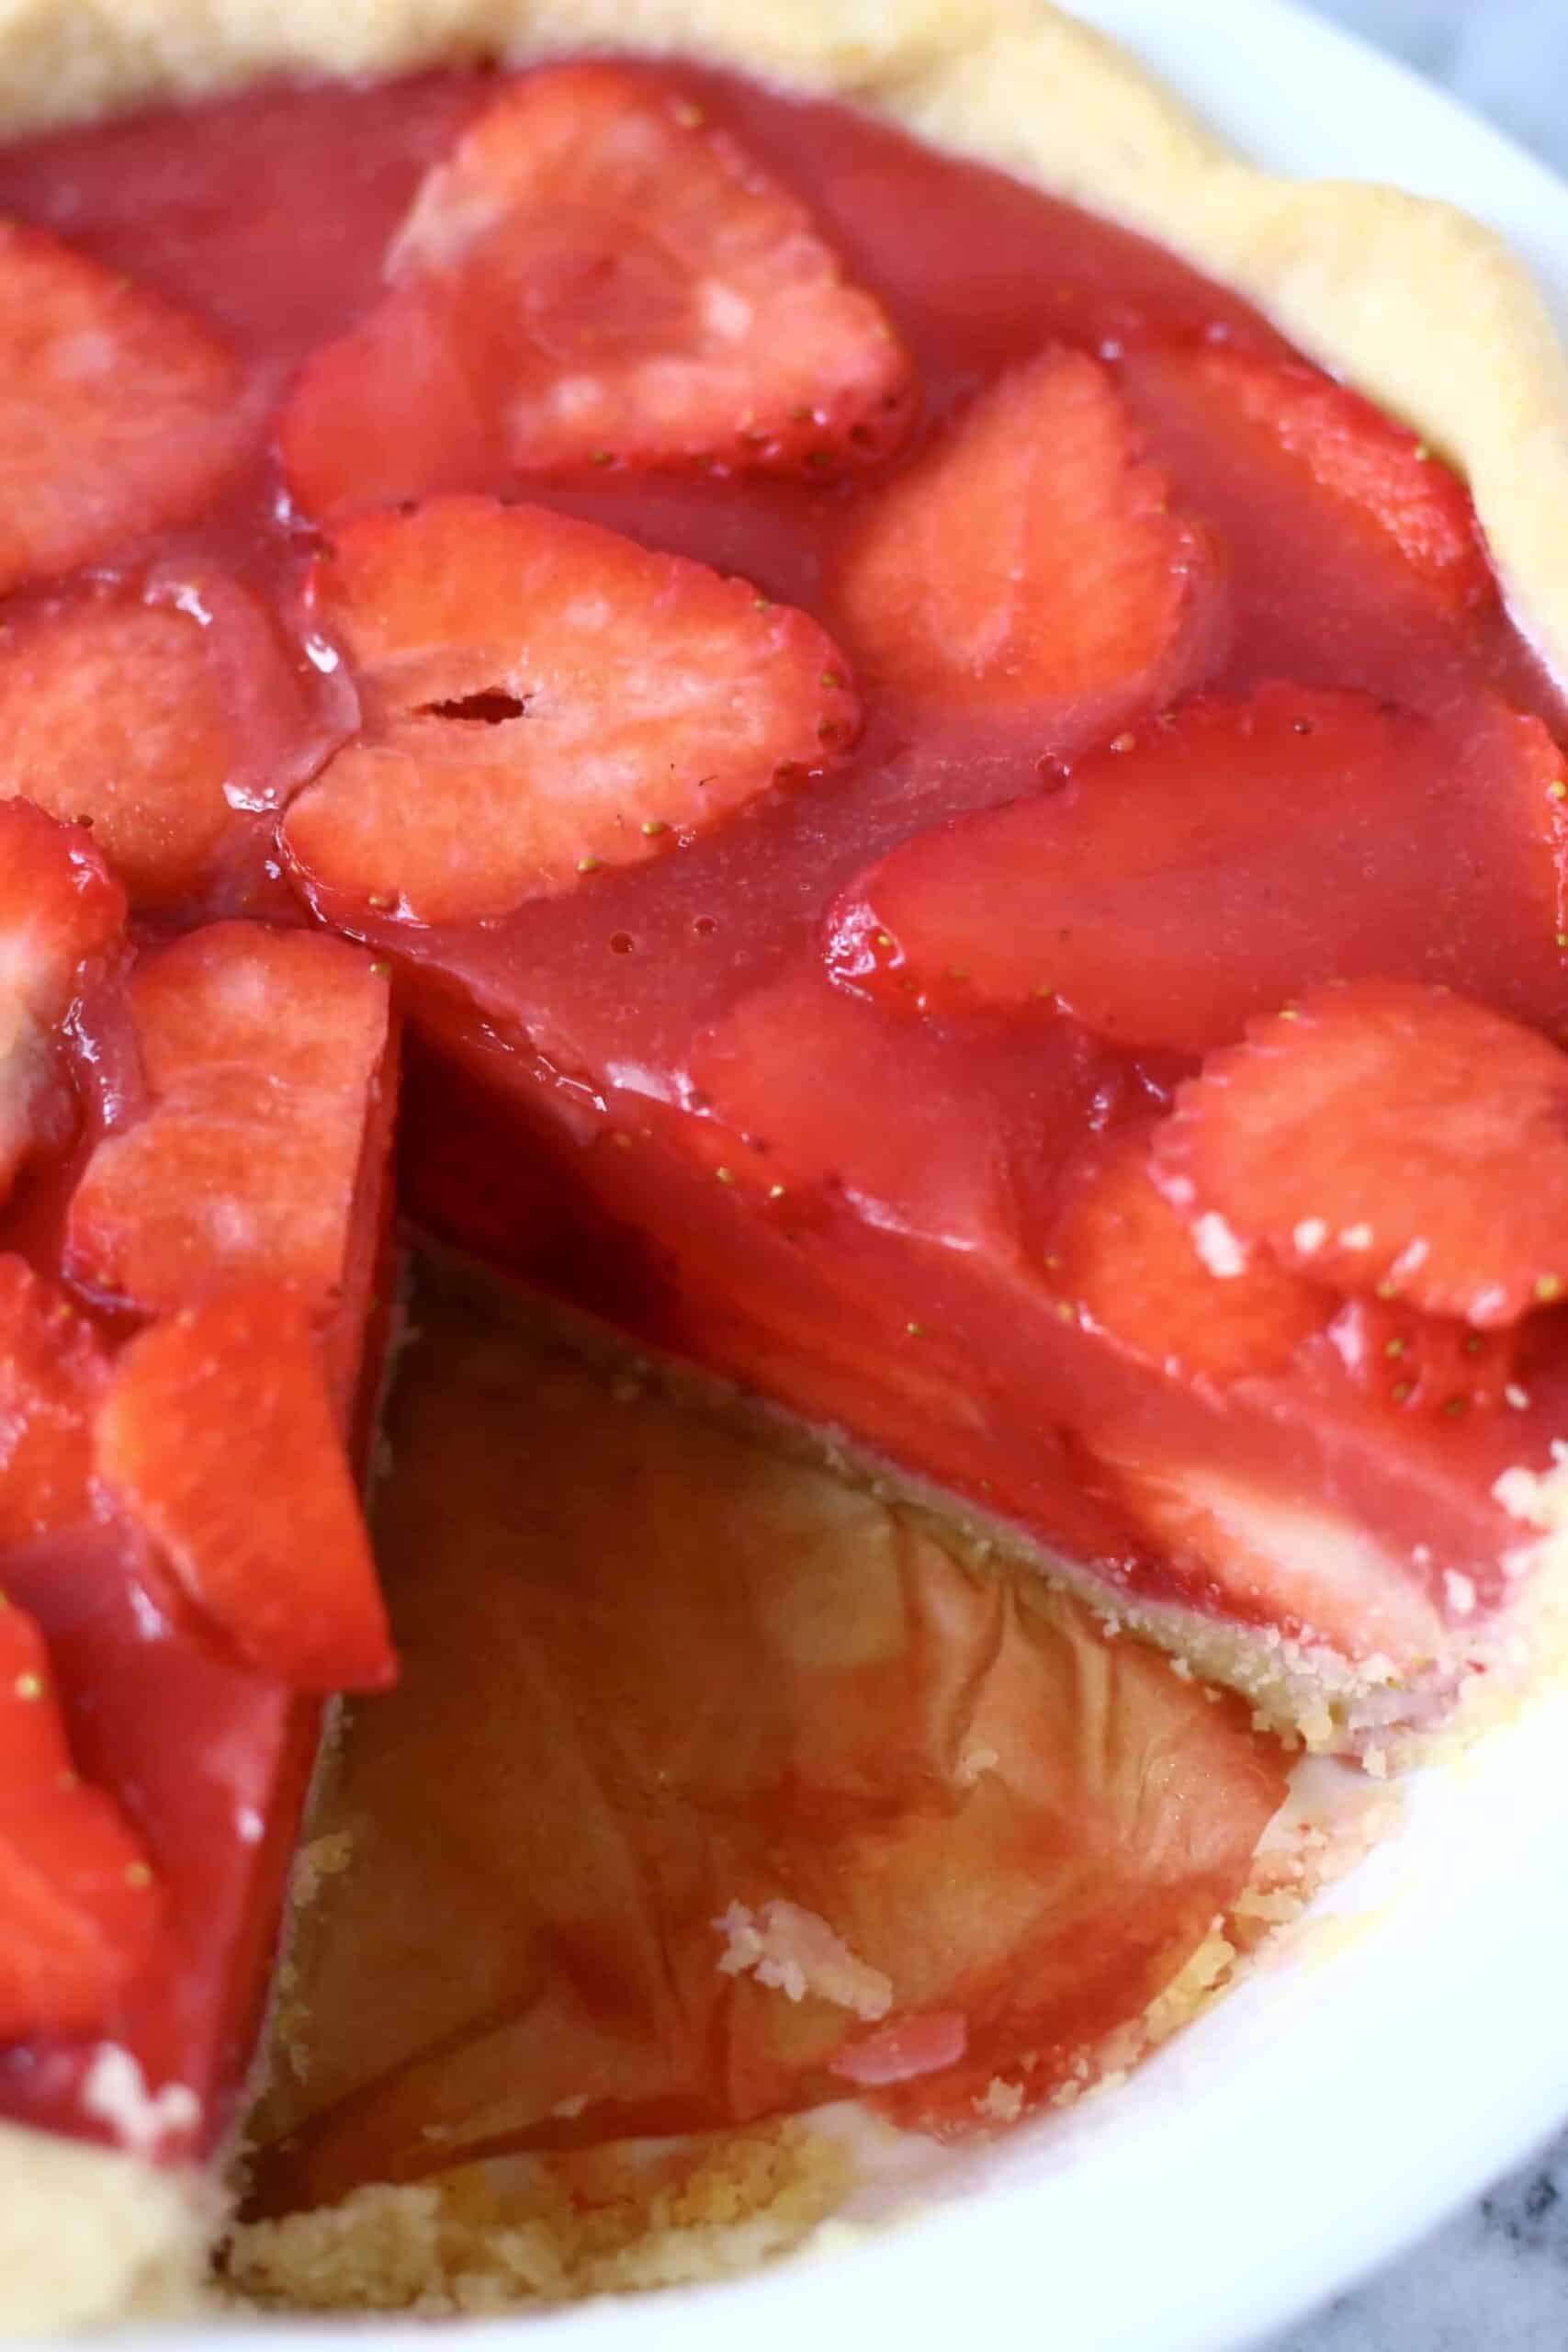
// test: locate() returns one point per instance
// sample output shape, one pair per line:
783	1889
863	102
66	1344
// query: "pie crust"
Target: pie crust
1420	307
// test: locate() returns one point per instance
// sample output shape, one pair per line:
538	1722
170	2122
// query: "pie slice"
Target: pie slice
194	1235
972	863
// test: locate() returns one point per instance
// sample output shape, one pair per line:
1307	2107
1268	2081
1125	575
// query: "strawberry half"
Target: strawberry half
542	698
152	711
220	1437
1189	1299
52	1371
1210	864
261	1051
1027	565
119	412
598	273
1389	1140
59	911
79	1908
1288	420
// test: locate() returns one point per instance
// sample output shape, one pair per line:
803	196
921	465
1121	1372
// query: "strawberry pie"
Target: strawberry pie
782	823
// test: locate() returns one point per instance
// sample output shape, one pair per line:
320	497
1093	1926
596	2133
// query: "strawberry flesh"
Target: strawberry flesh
79	1908
1369	1135
598	273
1426	1367
120	413
52	1370
1268	1554
797	1076
155	710
59	913
220	1437
1213	862
543	698
1191	1300
1302	481
1027	566
261	1051
1379	478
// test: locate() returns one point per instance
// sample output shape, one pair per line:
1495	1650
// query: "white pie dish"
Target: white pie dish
1345	2097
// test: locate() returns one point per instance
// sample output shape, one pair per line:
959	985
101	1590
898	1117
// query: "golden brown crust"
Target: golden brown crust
530	2231
1418	305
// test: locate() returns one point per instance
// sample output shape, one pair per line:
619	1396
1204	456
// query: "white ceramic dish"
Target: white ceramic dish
1345	2098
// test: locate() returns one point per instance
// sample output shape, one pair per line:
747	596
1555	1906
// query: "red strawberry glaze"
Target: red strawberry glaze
562	1052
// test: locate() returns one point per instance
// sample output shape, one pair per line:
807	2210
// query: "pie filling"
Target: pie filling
936	830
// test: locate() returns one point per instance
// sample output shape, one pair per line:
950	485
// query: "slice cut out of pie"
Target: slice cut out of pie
861	724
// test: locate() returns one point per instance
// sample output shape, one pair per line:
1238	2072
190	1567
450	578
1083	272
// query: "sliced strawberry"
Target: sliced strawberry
1028	565
598	273
807	1099
542	697
59	909
79	1908
261	1051
152	710
119	412
1380	480
388	412
218	1436
52	1370
34	1754
1191	1299
1425	1365
1302	1567
1389	1140
1227	854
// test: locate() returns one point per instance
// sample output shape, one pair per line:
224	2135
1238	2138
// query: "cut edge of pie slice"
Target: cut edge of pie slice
192	1452
1305	1691
333	2226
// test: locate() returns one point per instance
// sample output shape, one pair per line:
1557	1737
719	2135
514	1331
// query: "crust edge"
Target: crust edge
91	2233
1348	271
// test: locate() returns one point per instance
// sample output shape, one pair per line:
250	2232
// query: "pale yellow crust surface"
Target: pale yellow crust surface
503	2237
1408	298
87	2235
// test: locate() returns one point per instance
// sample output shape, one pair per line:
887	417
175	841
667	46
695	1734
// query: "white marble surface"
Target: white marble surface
1496	2279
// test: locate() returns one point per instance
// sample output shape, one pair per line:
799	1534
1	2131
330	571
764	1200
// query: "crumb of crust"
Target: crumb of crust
1300	1853
114	2090
490	2238
973	1766
795	1951
322	1859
